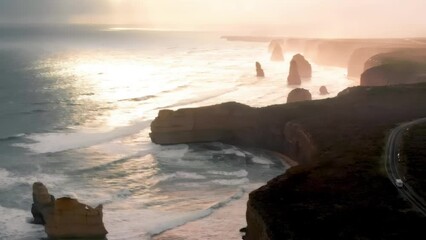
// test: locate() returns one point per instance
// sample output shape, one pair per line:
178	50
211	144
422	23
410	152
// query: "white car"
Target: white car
399	183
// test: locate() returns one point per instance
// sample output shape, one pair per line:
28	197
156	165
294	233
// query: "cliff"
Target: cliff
340	191
397	67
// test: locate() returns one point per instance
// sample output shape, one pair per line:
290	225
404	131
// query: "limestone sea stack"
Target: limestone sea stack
274	43
259	70
42	202
277	53
303	66
323	90
293	76
72	219
66	217
299	94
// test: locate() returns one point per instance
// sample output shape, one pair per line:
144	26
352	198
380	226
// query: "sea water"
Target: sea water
76	107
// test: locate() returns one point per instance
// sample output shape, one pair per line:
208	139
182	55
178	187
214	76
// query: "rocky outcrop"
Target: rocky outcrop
66	217
259	70
323	90
277	53
42	200
274	43
336	195
72	219
303	66
397	67
359	57
234	123
334	191
299	94
293	75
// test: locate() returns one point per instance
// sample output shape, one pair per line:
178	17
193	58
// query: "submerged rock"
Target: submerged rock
303	66
299	94
66	217
323	90
293	76
259	70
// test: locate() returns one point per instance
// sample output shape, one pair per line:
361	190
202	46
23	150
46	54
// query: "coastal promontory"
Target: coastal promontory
340	189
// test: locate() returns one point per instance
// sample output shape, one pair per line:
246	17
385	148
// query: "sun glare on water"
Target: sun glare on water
113	81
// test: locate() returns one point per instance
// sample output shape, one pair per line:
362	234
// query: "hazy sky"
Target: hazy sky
317	17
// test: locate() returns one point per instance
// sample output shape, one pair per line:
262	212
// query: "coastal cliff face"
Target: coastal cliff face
234	123
398	67
341	190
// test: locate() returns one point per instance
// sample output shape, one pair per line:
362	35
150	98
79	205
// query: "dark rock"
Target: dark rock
293	76
299	94
259	70
303	66
42	200
277	53
323	90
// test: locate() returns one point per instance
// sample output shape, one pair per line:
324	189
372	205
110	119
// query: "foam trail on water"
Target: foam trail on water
14	225
156	221
9	179
57	142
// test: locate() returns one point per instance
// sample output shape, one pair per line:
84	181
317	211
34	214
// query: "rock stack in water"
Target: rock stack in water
303	66
299	94
274	43
323	90
259	70
277	53
66	217
293	76
43	201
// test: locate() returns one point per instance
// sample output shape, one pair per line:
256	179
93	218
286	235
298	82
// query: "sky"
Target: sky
298	17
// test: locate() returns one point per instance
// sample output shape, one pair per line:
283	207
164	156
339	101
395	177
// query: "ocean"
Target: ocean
75	114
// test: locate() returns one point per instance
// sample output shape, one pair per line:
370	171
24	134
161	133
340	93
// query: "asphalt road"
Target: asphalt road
393	147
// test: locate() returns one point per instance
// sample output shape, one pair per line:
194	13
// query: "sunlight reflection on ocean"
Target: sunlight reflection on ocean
89	106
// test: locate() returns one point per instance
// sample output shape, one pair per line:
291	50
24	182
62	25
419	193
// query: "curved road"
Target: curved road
391	161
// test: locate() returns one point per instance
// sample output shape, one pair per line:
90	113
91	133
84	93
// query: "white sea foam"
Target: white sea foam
261	160
240	173
172	152
14	225
57	142
143	223
179	175
231	182
8	179
234	151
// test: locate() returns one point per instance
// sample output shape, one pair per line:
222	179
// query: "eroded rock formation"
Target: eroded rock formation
42	200
333	192
397	67
323	90
66	217
277	53
303	66
259	70
299	94
293	75
72	219
274	43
